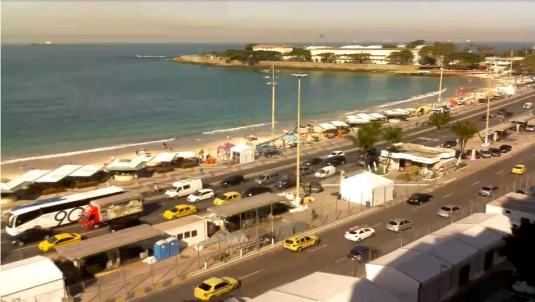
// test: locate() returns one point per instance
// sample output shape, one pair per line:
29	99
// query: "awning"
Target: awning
377	116
246	204
339	124
327	126
100	244
26	179
87	171
365	116
160	158
135	164
58	174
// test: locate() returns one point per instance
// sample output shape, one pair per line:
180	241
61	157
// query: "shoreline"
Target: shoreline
208	141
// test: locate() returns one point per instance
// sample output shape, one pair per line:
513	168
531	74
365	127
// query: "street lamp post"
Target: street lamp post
272	83
440	84
298	157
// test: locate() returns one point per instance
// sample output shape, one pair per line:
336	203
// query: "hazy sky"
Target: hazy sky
265	21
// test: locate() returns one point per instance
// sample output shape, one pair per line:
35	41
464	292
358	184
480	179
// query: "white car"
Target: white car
336	153
201	194
527	105
325	172
447	210
530	128
359	233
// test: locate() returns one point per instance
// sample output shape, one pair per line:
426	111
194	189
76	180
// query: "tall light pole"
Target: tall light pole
298	157
486	143
440	84
272	83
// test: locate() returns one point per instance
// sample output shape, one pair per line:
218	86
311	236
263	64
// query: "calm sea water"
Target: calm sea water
75	97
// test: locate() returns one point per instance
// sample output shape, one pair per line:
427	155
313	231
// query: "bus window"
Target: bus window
23	218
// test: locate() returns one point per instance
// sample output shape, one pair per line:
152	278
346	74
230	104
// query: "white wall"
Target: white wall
514	215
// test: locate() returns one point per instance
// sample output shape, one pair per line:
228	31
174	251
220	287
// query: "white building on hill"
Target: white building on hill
500	64
280	48
378	54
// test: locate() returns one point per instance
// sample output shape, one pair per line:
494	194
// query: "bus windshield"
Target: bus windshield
11	219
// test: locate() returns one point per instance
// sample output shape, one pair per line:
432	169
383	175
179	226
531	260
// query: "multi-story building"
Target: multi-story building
377	53
500	64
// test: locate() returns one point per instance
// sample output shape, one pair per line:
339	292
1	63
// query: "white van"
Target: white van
184	187
325	172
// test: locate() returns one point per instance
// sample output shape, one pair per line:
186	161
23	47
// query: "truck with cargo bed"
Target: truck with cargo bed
115	211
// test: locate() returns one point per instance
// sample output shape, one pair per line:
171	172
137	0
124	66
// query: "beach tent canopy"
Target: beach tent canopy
87	171
367	189
366	116
58	174
162	158
378	116
339	124
186	154
22	181
352	119
244	153
135	164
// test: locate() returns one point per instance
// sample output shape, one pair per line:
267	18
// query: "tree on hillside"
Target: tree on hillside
389	45
464	131
302	53
486	50
367	136
249	47
466	60
439	120
519	249
415	43
361	58
403	57
392	135
437	50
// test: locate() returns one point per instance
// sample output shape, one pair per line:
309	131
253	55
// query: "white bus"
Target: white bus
53	212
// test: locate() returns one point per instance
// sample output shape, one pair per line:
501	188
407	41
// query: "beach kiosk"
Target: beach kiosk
56	180
86	176
326	130
162	162
341	126
127	169
242	153
10	189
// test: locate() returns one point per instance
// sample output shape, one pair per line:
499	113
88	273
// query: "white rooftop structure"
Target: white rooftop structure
58	174
352	119
377	116
134	164
87	171
366	116
327	287
33	272
448	249
419	153
26	179
327	126
163	157
339	124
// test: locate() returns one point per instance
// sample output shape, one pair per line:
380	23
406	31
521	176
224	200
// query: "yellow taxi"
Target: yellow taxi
215	287
300	242
59	240
226	198
519	169
178	211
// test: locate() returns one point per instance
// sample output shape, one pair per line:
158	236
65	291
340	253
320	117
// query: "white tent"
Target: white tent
243	153
367	189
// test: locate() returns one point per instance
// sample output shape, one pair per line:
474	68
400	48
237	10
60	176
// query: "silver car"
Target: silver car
448	210
399	224
487	190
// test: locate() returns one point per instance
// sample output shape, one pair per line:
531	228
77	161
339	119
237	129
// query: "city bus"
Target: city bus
49	213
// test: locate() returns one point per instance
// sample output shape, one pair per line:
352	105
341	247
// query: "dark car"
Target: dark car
284	183
334	161
360	253
312	162
419	198
505	148
269	152
252	191
449	144
502	111
507	114
305	170
485	154
232	180
495	152
463	154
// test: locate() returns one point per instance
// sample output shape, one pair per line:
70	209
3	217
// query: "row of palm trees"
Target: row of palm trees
371	134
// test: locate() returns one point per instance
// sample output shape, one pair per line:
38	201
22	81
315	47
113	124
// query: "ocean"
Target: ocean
65	98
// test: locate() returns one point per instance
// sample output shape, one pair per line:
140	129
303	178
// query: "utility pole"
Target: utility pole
273	83
440	84
298	157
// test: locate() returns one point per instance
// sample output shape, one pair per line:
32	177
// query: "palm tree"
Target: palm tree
392	135
367	137
464	130
439	120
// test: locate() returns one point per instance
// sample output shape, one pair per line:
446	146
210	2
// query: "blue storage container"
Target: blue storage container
161	249
173	246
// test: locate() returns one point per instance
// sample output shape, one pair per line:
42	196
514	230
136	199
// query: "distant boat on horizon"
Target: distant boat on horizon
46	43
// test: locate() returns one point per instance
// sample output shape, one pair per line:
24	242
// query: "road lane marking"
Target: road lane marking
499	172
448	181
475	183
250	274
318	248
447	195
340	260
